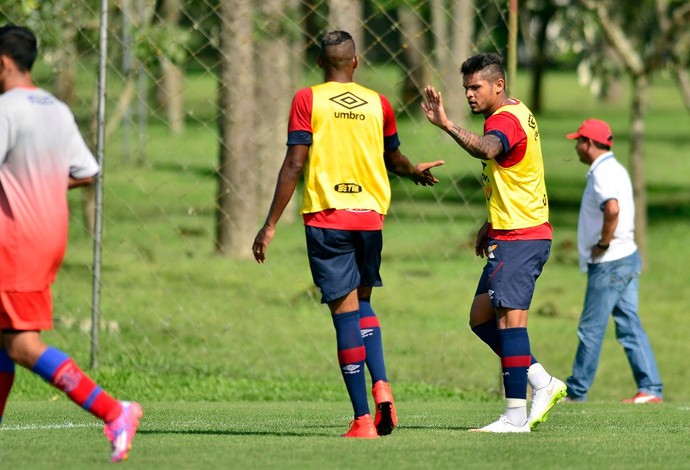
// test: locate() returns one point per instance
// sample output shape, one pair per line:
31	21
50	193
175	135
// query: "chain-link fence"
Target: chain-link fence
194	86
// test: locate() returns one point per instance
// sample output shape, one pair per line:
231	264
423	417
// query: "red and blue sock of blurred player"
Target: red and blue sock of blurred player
62	372
6	379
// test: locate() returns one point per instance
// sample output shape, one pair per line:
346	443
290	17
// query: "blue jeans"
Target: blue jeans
612	289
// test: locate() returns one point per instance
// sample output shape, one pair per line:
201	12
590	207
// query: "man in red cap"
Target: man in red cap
608	254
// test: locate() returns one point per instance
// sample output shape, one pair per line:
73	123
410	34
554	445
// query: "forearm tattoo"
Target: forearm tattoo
476	145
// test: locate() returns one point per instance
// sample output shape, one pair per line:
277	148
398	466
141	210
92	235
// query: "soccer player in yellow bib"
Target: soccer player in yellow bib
515	239
344	138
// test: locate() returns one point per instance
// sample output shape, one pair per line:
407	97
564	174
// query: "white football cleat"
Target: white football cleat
544	399
503	426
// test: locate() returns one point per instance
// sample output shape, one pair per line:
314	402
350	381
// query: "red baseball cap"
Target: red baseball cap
594	129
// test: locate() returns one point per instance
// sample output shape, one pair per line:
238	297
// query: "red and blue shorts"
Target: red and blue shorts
343	260
511	272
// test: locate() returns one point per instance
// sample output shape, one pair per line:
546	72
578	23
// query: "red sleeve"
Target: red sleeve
506	126
389	125
300	111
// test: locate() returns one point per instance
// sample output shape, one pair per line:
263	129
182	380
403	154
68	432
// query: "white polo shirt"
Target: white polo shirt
606	179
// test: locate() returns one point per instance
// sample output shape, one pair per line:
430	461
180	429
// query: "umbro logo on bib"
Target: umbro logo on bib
348	100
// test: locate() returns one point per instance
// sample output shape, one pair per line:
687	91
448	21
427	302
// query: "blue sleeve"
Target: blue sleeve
502	137
391	142
299	138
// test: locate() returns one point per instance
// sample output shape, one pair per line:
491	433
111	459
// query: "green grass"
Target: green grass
235	361
300	434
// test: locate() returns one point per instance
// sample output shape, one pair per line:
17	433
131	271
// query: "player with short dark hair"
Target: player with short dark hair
515	239
42	154
344	138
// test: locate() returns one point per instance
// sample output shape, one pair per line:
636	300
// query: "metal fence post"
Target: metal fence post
98	222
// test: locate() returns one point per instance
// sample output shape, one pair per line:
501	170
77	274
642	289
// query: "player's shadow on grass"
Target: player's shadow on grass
435	427
231	432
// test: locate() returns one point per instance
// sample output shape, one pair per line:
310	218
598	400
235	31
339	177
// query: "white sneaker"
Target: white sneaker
544	399
502	426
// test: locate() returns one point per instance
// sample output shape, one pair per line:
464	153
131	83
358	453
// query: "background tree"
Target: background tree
453	24
275	55
680	60
170	86
348	15
237	208
643	38
415	53
539	14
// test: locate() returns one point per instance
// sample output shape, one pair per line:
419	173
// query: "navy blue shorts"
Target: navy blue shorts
343	260
511	272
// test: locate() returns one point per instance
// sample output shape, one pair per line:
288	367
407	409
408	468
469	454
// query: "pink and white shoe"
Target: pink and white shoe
121	431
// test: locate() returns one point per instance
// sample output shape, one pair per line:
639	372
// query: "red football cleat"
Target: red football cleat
642	397
362	427
386	417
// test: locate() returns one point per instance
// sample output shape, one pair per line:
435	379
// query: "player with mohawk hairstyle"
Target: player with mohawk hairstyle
344	138
515	239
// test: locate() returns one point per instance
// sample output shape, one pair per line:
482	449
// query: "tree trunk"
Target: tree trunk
679	67
170	92
683	83
346	15
540	59
65	62
637	115
415	53
236	212
462	32
440	27
274	91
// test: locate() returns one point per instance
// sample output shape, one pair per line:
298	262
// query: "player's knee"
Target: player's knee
24	350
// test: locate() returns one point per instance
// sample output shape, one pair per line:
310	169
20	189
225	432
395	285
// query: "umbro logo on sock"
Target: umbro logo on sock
351	369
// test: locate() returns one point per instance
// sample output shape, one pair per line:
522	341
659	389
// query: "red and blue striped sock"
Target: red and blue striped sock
515	360
351	356
62	372
488	332
371	335
7	368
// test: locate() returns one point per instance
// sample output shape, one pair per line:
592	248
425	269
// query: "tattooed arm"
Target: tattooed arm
483	147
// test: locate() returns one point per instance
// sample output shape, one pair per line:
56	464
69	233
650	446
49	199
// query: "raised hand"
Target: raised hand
433	107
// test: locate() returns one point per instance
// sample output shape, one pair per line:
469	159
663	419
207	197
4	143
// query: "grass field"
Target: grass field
235	362
301	435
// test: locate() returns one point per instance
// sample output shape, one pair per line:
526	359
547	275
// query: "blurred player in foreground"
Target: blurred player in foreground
42	154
